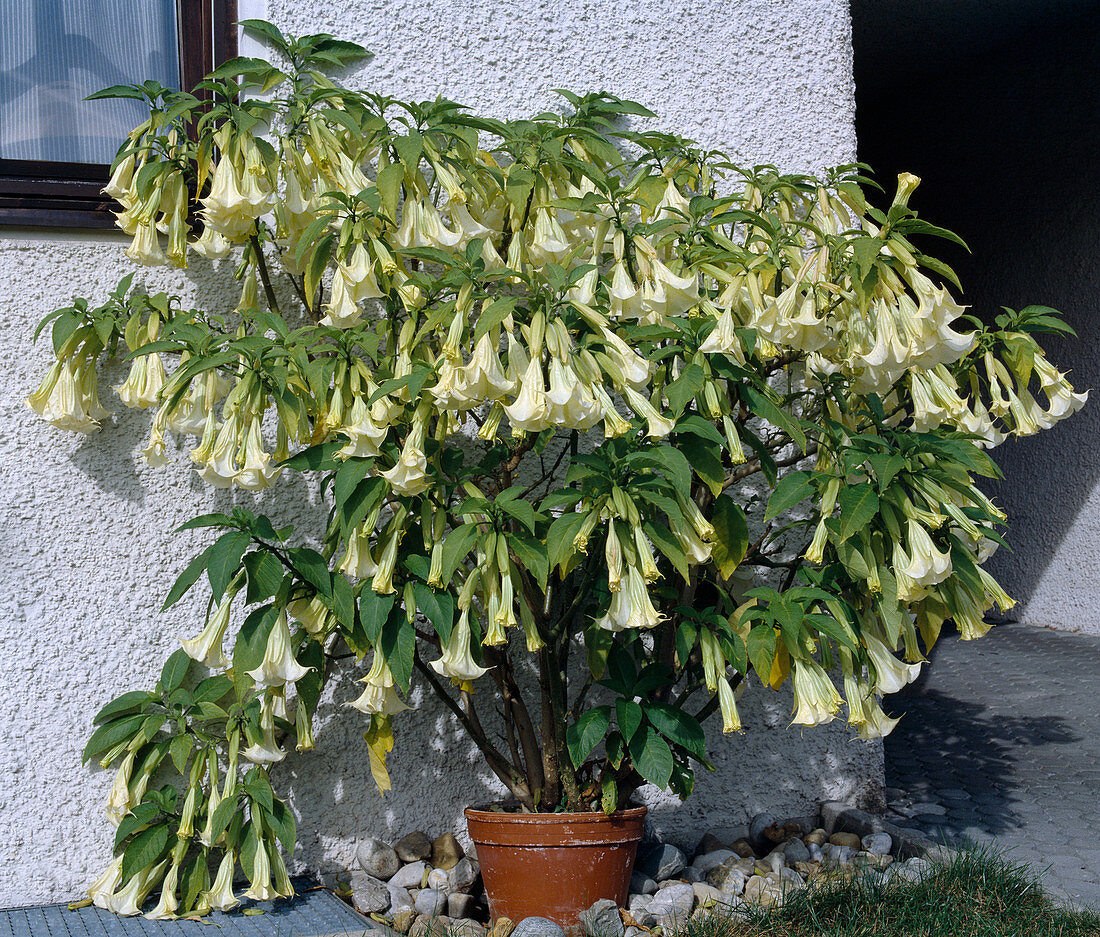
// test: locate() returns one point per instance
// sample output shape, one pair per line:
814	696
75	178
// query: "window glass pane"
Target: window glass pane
55	52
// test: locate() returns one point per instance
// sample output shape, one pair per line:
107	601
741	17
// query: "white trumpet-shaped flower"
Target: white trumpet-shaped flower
380	695
530	411
892	674
457	662
265	751
259	876
220	896
278	666
927	565
118	800
258	470
206	646
127	901
107	883
168	904
409	476
816	699
631	606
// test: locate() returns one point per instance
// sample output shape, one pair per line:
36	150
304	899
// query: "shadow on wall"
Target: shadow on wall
995	105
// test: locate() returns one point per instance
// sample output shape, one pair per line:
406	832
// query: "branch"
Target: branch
261	266
501	767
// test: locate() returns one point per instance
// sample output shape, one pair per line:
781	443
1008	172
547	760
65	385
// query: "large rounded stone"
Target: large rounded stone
446	851
437	878
642	884
431	901
369	894
602	919
757	826
410	876
400	899
663	862
463	876
672	905
460	905
710	860
845	839
794	850
877	844
413	846
538	927
377	858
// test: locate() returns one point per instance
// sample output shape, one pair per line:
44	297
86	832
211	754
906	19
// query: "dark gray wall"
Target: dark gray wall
996	106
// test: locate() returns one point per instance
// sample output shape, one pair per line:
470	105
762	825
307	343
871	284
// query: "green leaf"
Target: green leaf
145	849
664	541
389	188
212	689
134	701
398	646
520	510
761	648
224	813
362	501
437	607
629	716
586	733
791	490
348	477
456	547
678	727
885	468
311	566
852	557
187	578
764	407
865	251
672	464
264	576
651	757
110	734
248	650
559	538
731	535
283	825
532	554
374	609
681	391
207	520
697	426
174	671
180	750
706	460
858	505
837	630
319	458
225	560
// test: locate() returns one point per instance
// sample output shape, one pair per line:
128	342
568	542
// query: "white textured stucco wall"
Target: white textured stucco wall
85	549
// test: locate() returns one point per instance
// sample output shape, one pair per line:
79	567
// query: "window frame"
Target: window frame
68	194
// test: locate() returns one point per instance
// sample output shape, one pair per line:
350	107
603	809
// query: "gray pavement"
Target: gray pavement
1001	744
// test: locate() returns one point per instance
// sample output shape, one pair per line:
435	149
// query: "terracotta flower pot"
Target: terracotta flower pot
554	865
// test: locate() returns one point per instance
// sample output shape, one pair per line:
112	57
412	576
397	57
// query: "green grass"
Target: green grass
979	893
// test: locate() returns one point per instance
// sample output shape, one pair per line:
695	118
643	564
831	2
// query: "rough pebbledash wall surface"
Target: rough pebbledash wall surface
87	552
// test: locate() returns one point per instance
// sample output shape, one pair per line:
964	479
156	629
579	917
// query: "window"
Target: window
55	148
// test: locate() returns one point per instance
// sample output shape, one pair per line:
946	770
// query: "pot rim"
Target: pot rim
483	814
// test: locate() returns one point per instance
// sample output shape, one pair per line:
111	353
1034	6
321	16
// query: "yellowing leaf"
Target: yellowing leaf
379	739
781	666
